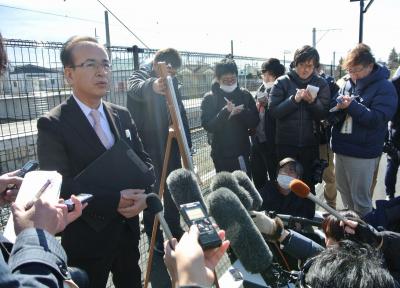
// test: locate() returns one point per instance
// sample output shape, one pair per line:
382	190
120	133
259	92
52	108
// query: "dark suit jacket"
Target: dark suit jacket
37	260
68	143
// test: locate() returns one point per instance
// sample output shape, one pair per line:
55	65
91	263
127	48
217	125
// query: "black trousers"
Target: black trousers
230	164
263	163
122	261
306	157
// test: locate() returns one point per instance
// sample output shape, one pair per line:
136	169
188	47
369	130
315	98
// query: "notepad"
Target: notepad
33	182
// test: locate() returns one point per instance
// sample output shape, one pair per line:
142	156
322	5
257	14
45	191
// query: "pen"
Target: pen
38	194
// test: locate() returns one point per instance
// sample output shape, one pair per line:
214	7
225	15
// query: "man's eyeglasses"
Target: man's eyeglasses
94	65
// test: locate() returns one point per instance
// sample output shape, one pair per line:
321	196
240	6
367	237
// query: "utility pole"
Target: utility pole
108	41
314	35
362	12
314	39
232	48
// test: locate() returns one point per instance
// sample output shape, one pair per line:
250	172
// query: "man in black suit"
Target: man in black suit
70	137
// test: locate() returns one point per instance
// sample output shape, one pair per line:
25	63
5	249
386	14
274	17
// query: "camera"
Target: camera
318	168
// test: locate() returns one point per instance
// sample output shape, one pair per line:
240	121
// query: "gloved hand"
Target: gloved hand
271	228
363	233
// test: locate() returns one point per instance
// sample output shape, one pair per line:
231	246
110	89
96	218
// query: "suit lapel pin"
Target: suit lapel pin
128	134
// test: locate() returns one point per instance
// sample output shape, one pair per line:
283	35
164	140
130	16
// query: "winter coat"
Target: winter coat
297	123
370	113
230	137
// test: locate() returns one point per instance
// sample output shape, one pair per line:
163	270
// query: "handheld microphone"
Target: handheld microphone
245	239
245	182
302	190
227	180
183	186
154	206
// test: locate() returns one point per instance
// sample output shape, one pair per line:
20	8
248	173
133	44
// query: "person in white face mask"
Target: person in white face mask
277	196
227	113
263	158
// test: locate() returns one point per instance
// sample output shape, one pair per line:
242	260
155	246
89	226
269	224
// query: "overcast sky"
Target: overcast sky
259	28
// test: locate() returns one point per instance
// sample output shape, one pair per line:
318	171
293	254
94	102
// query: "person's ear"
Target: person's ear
69	75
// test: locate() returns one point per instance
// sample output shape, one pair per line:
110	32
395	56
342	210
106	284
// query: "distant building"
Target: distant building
29	78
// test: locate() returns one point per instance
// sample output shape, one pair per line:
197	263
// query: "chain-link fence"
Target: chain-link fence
34	83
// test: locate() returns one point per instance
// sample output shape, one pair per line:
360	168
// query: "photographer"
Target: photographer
366	102
392	146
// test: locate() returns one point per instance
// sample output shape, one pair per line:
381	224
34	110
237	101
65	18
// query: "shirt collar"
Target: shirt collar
86	109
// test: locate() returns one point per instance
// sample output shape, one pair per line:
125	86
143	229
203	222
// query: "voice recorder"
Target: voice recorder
195	214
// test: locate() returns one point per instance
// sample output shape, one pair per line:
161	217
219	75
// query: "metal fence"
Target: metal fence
34	83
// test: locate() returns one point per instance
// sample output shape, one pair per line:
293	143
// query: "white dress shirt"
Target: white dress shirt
103	119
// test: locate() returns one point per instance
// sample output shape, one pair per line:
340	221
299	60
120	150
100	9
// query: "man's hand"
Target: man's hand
132	202
264	224
303	94
74	214
8	195
308	97
160	86
362	232
46	216
170	260
193	266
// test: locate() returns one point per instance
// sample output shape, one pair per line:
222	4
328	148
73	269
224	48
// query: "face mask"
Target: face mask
284	181
228	88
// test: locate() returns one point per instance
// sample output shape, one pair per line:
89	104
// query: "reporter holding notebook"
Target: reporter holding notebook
71	138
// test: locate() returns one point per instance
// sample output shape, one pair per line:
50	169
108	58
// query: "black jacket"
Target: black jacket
297	123
230	134
68	144
150	112
290	204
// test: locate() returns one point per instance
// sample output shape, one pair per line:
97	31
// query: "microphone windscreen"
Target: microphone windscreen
154	204
183	186
245	239
299	188
227	180
245	182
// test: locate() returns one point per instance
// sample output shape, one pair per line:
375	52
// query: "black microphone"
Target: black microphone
154	206
182	184
248	185
246	241
227	180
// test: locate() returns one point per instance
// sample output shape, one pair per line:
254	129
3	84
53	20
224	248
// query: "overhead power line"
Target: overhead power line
137	37
49	13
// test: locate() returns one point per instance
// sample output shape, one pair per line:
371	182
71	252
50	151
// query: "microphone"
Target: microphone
302	190
245	239
183	186
245	182
226	180
154	206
